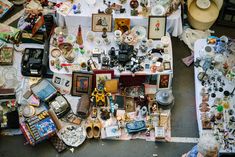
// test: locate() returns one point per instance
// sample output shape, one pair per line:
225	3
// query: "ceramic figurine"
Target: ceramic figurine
108	10
134	4
79	36
118	37
105	37
144	4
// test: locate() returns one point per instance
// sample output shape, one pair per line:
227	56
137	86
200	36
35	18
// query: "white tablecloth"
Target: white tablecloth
174	21
229	85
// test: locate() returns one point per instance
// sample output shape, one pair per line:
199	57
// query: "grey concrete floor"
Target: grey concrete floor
183	122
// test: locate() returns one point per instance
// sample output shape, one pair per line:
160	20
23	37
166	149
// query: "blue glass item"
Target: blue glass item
136	126
207	64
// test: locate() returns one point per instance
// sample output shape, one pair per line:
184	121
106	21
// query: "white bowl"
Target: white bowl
158	10
203	4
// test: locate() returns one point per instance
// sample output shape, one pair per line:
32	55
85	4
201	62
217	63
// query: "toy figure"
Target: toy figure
99	96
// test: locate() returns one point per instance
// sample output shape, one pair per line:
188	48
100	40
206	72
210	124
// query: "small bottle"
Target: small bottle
79	36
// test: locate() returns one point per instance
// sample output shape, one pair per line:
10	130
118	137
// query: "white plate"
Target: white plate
158	10
73	135
139	31
203	4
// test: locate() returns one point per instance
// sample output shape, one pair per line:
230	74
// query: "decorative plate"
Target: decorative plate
203	4
139	31
73	135
158	10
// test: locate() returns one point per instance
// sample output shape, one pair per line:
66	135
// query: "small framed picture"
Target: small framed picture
167	65
100	76
156	27
121	101
122	24
81	83
130	104
164	81
6	56
101	21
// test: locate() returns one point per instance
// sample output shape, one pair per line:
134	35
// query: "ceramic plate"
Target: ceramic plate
73	135
203	4
158	10
139	31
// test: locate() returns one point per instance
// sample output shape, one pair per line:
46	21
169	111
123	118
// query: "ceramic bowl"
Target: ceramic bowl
203	4
209	51
158	10
55	52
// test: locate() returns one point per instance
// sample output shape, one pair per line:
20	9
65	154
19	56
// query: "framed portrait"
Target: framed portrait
156	27
122	24
101	21
81	83
100	76
164	81
167	65
130	104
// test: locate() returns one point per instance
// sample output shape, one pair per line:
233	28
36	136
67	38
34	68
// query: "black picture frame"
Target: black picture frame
156	30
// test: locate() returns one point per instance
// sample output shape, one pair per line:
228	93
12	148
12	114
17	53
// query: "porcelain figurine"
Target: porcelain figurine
118	37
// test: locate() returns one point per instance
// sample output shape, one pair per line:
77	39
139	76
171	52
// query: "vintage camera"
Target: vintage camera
34	62
125	53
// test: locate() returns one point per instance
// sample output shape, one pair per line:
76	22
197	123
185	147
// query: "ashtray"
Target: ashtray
203	4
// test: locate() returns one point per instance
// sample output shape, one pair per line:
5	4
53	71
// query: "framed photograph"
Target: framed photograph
164	81
81	83
100	76
100	21
6	56
120	100
167	65
122	24
130	104
156	27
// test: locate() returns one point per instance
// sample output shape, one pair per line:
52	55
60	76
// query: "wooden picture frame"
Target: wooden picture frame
156	27
100	76
167	65
130	105
81	83
101	21
164	81
122	24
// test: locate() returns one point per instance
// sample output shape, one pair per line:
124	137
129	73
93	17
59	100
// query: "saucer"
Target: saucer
158	10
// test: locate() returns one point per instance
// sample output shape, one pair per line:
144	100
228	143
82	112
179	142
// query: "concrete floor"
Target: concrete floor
183	121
